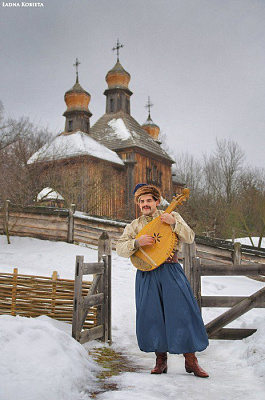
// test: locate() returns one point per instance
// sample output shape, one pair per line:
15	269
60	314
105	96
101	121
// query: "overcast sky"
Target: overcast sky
202	62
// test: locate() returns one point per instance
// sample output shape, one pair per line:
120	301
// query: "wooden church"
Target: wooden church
97	167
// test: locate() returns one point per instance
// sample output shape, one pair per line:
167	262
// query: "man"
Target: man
168	318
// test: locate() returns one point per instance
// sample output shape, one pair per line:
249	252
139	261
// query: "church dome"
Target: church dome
151	128
77	98
117	77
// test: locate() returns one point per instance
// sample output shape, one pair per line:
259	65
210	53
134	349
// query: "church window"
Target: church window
119	103
154	173
111	105
148	175
70	126
127	105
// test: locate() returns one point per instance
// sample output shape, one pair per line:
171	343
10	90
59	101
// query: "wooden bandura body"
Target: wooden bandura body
147	258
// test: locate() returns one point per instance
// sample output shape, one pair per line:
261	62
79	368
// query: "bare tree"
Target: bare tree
222	169
17	181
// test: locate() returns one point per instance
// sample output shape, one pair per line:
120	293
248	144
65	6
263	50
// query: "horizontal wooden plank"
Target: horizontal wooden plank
92	334
38	210
232	334
54	228
236	311
38	217
93	268
234	270
93	300
225	301
42	236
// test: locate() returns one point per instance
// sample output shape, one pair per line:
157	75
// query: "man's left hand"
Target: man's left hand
167	218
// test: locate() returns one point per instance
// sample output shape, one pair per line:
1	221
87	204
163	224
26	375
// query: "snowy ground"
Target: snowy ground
40	360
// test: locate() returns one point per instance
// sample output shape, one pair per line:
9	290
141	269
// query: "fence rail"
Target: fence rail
58	224
195	269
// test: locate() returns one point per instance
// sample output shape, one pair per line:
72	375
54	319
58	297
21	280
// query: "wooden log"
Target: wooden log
188	253
70	236
95	300
93	268
197	280
14	292
235	270
236	311
232	334
94	285
40	210
54	284
91	334
236	254
104	252
225	301
76	328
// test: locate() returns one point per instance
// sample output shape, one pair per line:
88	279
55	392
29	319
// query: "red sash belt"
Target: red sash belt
172	259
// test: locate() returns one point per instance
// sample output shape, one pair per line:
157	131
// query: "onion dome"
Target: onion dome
151	128
117	77
77	113
77	98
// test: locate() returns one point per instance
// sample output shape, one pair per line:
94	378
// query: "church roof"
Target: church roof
49	194
77	88
120	130
74	145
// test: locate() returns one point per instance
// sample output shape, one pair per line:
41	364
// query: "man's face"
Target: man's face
147	204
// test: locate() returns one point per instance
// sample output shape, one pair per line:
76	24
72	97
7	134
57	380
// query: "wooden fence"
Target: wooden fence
32	296
99	295
86	305
58	224
195	268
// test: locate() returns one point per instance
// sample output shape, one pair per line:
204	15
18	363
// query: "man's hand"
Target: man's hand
145	240
167	219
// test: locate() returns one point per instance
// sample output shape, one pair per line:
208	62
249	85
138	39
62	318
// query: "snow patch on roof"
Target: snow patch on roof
119	129
74	145
49	194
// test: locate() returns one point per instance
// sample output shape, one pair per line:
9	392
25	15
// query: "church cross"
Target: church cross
149	105
118	47
77	63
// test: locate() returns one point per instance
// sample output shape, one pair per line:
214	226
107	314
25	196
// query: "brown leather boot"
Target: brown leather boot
191	365
161	364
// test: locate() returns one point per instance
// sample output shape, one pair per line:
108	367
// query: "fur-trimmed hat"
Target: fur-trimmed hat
144	188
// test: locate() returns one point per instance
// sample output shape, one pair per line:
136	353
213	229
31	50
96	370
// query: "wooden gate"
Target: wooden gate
195	269
98	296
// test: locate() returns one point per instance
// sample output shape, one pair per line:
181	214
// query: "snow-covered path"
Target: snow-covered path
236	368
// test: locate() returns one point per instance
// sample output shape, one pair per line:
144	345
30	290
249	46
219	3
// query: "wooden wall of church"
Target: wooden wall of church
155	172
95	186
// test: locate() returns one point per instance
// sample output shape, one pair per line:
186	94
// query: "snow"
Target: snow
247	241
74	145
40	360
119	129
49	193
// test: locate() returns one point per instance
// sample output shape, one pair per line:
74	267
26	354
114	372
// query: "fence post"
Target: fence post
77	297
70	235
104	253
6	219
197	281
14	292
237	255
189	254
54	287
